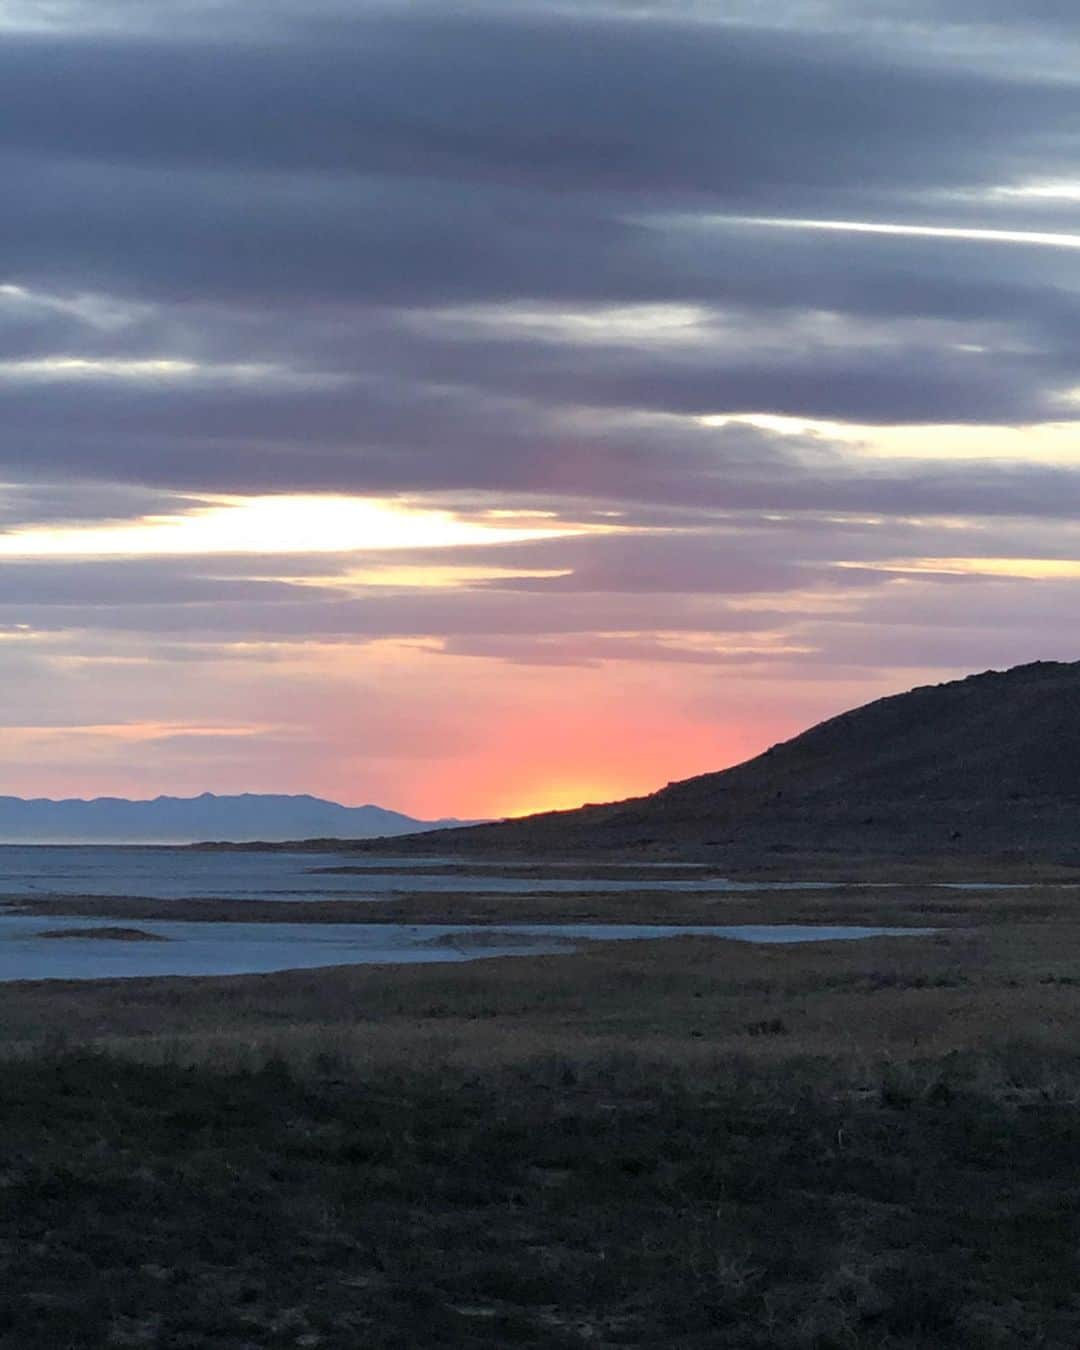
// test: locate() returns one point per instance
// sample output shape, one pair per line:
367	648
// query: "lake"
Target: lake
231	947
161	873
188	948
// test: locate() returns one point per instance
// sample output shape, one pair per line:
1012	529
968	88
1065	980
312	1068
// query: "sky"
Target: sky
479	408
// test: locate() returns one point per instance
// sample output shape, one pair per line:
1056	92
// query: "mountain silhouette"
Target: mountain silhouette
988	765
182	820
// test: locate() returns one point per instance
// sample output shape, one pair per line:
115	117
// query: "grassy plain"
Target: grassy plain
690	1143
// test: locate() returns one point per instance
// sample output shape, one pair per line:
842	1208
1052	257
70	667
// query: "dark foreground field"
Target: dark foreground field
682	1144
547	1206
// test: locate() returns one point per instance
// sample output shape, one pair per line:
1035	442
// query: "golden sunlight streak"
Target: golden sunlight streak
416	576
276	524
1039	443
1028	569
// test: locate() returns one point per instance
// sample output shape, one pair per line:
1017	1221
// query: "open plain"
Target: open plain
690	1142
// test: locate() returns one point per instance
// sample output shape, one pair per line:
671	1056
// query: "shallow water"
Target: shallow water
248	949
176	874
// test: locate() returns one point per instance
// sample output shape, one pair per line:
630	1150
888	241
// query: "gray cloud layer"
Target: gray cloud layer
397	249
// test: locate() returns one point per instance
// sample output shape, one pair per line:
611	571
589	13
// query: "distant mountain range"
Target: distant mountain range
984	768
185	820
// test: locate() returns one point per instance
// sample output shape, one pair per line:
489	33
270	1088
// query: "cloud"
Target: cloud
579	102
1035	15
27	586
486	258
419	150
46	501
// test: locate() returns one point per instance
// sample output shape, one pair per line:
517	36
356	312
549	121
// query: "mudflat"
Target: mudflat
895	902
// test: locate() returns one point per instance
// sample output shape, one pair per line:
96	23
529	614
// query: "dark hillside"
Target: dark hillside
988	766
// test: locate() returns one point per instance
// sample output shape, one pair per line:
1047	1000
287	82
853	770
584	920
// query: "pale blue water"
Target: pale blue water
246	949
163	873
234	948
176	874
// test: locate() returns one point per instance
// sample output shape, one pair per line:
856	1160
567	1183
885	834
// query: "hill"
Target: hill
987	766
183	820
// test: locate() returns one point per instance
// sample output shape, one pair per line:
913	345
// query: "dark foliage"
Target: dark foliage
544	1207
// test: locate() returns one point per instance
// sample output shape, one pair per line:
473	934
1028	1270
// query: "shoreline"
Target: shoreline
894	905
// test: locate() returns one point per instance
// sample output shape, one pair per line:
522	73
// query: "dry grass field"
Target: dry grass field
686	1143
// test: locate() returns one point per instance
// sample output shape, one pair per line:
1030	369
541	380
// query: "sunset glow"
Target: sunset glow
1033	569
267	525
534	447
